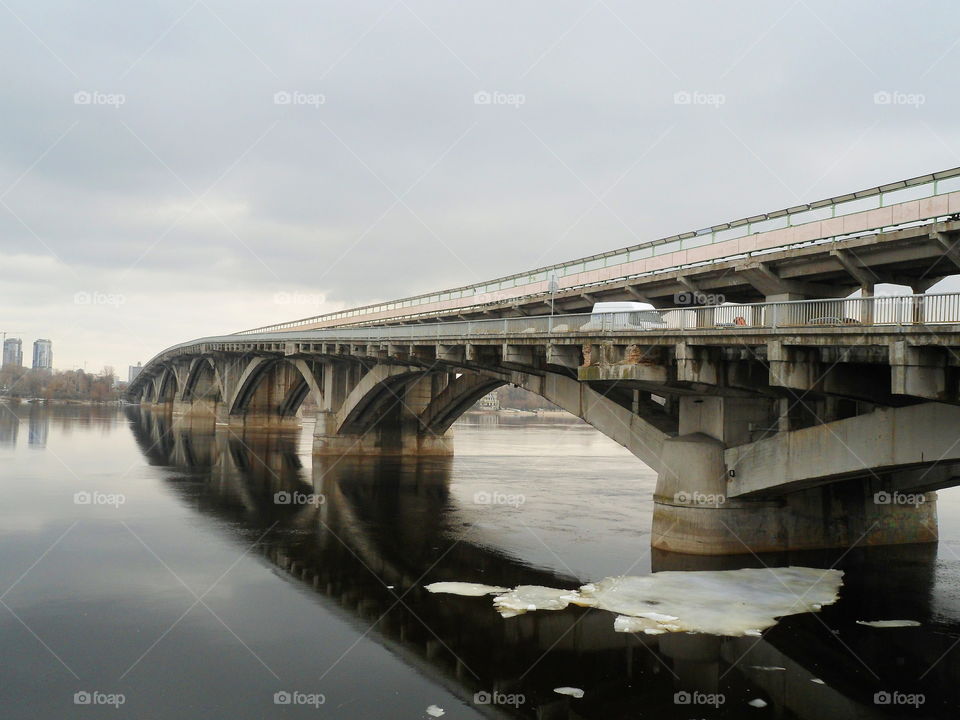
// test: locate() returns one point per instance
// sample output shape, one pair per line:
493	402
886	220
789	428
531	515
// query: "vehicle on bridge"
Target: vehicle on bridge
625	316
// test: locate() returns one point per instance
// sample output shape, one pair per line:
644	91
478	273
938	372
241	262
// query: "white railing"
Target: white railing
898	310
904	312
917	188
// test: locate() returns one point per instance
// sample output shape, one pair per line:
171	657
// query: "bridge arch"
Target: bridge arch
274	388
203	381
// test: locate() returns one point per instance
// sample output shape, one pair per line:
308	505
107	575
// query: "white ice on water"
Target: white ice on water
435	711
888	623
718	602
571	691
465	588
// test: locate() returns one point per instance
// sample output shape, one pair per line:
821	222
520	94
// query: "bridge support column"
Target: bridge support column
694	513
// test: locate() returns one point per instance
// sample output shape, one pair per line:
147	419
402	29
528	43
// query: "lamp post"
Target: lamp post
553	286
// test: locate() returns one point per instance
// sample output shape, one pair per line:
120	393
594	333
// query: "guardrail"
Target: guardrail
896	310
902	311
468	296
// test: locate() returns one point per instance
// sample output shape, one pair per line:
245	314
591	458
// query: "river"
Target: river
150	570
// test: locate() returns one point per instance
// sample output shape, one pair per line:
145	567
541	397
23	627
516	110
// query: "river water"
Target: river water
153	571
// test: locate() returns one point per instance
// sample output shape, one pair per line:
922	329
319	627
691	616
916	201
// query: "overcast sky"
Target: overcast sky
177	195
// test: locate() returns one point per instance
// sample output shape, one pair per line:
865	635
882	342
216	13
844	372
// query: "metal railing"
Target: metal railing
896	310
901	311
917	188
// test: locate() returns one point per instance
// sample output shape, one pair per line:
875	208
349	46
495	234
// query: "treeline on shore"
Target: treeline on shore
19	382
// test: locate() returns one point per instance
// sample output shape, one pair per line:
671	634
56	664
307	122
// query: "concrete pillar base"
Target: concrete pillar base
692	514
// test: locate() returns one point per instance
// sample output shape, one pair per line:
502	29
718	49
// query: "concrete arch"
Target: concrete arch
276	385
382	385
166	385
458	397
199	367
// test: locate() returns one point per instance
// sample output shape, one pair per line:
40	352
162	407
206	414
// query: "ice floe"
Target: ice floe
465	588
571	691
527	598
757	703
718	602
888	623
435	711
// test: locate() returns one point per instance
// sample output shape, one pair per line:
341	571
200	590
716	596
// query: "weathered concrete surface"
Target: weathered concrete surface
692	513
869	444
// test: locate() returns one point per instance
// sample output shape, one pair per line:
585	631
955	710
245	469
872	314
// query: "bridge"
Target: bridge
808	419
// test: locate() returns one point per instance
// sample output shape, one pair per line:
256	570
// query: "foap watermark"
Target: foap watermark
898	498
485	497
86	497
95	697
697	97
897	97
496	97
685	497
514	700
289	298
690	297
296	697
683	697
296	97
98	298
285	497
886	697
95	97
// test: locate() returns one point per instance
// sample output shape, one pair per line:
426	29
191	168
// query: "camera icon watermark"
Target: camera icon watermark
95	97
496	97
684	697
485	497
896	97
689	298
295	497
296	97
885	697
898	498
494	697
98	298
296	697
85	497
695	498
95	697
696	97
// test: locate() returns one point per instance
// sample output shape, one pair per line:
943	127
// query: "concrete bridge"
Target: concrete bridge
809	419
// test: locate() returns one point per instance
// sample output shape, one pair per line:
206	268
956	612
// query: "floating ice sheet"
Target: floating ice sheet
718	602
465	588
571	691
435	711
888	623
526	598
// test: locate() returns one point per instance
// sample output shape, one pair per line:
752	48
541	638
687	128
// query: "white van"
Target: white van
624	316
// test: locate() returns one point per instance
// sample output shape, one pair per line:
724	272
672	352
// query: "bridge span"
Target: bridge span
772	426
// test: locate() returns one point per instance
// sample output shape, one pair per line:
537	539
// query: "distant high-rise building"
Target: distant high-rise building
42	355
12	352
133	371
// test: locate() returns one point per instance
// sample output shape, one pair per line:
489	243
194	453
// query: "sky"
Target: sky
171	169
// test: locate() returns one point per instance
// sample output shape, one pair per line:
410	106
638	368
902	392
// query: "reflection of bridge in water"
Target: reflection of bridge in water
385	530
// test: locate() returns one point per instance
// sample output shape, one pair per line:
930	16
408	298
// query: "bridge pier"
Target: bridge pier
695	514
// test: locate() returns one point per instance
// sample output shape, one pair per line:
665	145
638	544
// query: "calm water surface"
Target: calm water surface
186	588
